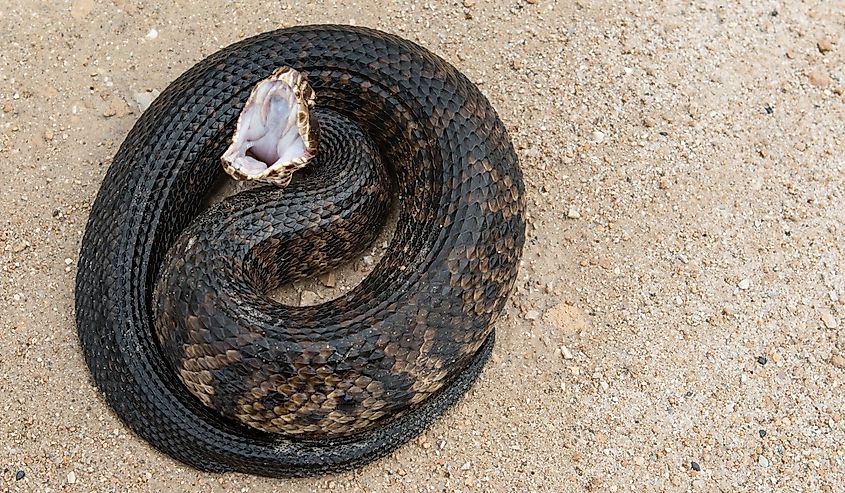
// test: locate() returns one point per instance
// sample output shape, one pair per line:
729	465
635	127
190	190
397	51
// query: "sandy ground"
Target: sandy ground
678	320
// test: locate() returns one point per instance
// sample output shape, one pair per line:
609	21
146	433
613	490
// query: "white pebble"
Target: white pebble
763	461
829	320
307	298
153	34
145	99
567	354
71	477
573	213
744	284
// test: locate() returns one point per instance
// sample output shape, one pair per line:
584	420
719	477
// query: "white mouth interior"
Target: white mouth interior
268	137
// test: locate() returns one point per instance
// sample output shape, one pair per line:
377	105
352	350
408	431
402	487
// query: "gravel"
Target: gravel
665	204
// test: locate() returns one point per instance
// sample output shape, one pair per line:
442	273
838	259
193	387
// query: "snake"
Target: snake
335	127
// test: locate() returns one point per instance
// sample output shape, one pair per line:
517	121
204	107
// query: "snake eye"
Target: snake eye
275	135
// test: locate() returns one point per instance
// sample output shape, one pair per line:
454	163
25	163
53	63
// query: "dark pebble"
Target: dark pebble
762	433
762	360
769	109
695	466
19	475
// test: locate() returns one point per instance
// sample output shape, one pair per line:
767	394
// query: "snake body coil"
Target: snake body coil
171	298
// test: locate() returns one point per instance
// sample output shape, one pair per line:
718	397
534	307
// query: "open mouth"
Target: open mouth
275	134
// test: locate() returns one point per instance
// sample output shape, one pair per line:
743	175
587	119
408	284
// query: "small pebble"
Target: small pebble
762	360
329	279
307	298
695	466
573	213
81	8
368	260
763	461
20	246
71	477
819	78
144	99
532	315
598	136
117	107
20	475
744	284
829	320
466	466
838	361
825	45
152	34
567	354
762	433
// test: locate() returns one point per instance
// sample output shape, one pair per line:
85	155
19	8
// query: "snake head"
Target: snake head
275	134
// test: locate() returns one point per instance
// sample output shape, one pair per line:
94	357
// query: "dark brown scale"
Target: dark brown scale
343	382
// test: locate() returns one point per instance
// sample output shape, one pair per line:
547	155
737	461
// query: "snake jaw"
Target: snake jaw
275	134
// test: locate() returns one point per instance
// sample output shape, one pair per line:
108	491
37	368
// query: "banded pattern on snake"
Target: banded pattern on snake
171	301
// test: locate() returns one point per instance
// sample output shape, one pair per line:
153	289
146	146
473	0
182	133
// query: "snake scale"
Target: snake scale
171	296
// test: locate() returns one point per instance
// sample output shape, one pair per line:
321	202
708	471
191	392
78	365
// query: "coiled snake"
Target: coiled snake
171	302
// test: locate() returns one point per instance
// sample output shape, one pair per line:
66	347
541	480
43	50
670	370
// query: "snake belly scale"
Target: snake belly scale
171	303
